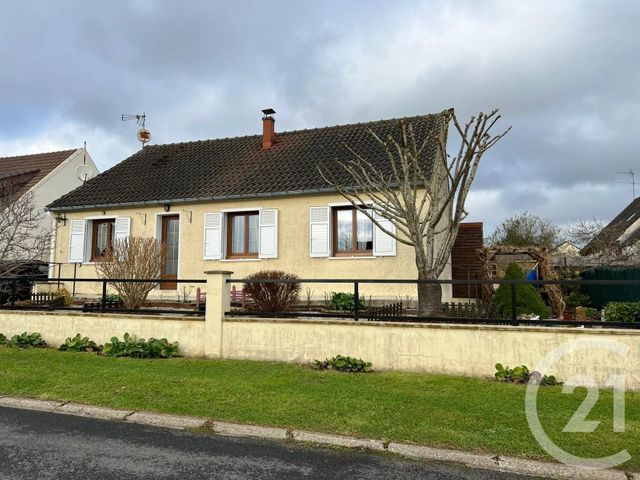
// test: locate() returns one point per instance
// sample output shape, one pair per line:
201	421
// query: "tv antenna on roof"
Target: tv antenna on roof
633	183
144	135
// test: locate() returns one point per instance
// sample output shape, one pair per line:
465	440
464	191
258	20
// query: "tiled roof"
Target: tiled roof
618	226
240	167
28	170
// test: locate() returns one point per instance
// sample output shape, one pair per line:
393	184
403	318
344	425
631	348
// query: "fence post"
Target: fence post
356	301
104	296
514	316
218	302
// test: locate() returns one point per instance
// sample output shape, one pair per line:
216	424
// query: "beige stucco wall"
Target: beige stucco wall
293	248
451	349
55	327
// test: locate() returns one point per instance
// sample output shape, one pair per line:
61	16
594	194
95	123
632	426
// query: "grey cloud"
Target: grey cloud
565	75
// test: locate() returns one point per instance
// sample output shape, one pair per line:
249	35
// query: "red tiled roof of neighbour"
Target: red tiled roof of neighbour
28	170
239	167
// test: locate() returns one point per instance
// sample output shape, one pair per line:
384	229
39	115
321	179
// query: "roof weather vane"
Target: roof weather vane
144	135
633	182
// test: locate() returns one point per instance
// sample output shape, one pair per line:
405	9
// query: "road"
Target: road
36	445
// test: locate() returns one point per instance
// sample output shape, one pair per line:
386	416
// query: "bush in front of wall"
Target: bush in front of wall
79	344
113	298
622	312
343	363
528	300
24	340
522	375
134	347
345	301
272	297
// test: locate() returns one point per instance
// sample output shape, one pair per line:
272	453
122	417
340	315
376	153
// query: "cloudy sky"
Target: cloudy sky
566	76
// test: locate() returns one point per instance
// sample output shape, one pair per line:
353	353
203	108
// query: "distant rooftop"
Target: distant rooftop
28	170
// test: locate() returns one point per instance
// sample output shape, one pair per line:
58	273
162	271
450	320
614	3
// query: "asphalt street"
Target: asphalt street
36	445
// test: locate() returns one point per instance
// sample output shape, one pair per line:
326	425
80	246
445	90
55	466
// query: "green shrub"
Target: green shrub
140	348
3	339
521	375
79	344
592	313
113	298
528	300
272	297
577	299
345	301
25	340
622	312
343	364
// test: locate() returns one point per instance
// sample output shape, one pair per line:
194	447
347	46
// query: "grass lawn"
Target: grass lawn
437	410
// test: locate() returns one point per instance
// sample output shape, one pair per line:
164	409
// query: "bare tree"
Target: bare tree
23	241
423	197
600	249
133	258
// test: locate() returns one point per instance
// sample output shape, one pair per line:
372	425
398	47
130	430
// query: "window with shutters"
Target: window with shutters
243	234
102	237
352	232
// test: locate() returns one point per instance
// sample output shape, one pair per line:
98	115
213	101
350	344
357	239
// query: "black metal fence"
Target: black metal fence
103	304
394	312
505	318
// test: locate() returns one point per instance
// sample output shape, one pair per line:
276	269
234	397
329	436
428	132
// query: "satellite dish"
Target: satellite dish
84	173
144	135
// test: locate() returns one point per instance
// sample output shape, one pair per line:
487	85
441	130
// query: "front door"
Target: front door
170	240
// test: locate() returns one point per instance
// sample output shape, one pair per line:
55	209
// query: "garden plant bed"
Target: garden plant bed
437	410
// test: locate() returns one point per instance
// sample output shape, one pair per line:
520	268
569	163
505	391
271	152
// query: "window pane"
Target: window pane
172	244
253	233
101	239
237	234
344	230
364	231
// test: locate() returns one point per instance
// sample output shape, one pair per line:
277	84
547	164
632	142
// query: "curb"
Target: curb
476	460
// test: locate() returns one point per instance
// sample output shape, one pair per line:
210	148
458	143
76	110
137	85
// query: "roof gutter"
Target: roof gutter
98	206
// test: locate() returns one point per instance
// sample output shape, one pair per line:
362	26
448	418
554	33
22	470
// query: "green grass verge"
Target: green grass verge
437	410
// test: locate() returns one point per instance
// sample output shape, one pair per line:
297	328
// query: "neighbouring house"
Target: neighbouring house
621	237
243	204
45	176
565	249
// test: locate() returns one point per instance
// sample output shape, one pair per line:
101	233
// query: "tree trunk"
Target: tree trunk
429	299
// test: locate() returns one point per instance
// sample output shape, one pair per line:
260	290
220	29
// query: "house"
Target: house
243	204
621	237
46	177
565	249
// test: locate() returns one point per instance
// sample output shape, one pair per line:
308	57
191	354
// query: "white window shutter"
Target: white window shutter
319	231
268	233
213	236
76	241
384	245
122	228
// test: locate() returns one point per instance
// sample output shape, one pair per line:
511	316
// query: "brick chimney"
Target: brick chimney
268	128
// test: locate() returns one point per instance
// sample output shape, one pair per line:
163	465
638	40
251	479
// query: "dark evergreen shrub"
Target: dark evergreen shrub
528	300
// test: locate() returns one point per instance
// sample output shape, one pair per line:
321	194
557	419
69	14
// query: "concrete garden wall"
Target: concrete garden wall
471	350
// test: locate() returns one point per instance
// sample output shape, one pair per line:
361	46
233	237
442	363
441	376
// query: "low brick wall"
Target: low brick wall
56	326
